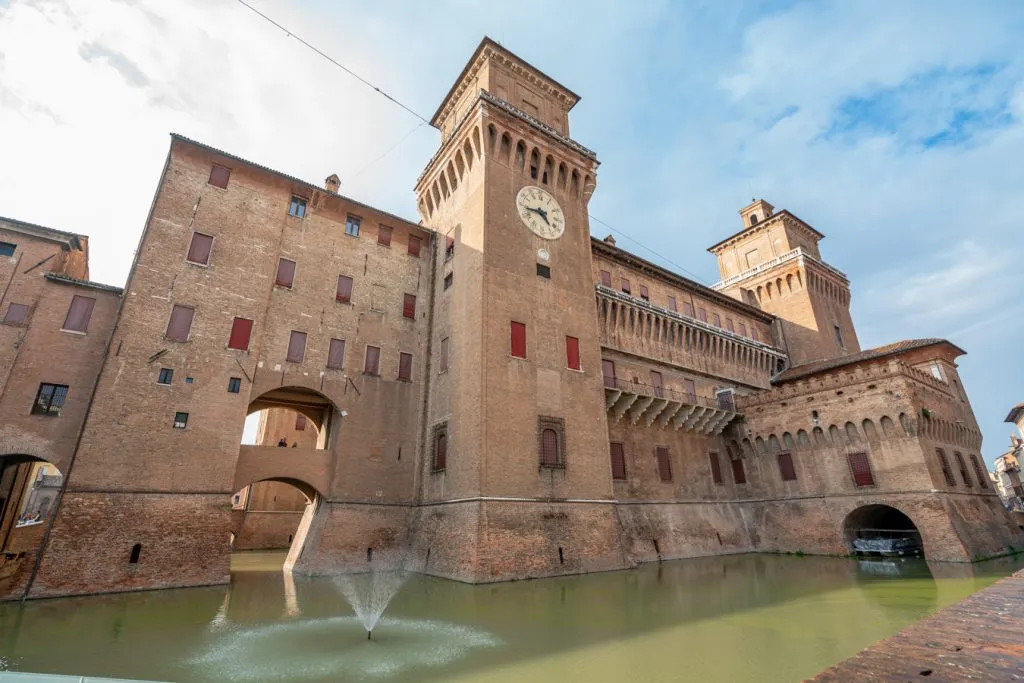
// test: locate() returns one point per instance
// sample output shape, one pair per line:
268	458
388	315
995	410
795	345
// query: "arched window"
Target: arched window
574	184
753	219
549	448
549	171
819	437
787	441
888	429
908	428
803	438
534	163
759	442
136	551
520	155
833	435
561	176
492	135
851	432
551	443
506	147
773	444
870	433
440	447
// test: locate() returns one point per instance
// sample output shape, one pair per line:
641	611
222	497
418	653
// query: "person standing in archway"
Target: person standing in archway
283	443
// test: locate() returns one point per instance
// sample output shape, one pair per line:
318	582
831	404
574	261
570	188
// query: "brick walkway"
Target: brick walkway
979	639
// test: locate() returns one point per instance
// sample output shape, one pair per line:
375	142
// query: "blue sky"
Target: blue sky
892	127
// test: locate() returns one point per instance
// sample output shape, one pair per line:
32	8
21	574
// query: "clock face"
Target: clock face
541	212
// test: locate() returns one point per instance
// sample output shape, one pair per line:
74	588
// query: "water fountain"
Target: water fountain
369	594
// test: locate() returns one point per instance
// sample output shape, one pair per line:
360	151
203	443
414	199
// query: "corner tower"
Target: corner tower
515	432
774	262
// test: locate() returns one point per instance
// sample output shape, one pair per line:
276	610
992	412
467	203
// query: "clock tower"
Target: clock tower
515	478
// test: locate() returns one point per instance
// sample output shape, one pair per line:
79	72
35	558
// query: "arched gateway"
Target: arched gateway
881	530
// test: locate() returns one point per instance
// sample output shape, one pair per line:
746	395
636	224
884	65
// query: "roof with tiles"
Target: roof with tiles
68	280
42	231
798	371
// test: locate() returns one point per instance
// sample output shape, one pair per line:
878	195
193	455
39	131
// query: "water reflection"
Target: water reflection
794	616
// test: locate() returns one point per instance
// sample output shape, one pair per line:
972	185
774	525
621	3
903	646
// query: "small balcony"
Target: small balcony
667	408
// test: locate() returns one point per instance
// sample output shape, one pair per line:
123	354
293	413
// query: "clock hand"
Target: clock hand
543	214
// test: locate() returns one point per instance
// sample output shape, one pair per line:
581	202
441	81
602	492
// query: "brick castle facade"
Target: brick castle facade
486	394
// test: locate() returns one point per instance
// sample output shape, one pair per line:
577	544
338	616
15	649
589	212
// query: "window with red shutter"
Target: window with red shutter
409	306
947	471
786	468
716	320
644	294
79	314
572	353
199	249
296	347
664	463
241	331
336	354
702	314
716	467
606	278
618	461
219	176
688	308
414	246
371	365
440	447
656	384
739	475
979	472
344	289
405	367
964	474
743	329
691	390
300	423
549	448
728	325
608	370
672	304
625	285
384	235
17	314
180	324
285	273
518	340
443	360
860	466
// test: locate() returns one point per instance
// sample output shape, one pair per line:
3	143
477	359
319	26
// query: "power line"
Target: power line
657	254
388	151
333	61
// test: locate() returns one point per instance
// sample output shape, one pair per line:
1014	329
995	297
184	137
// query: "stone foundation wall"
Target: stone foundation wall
261	530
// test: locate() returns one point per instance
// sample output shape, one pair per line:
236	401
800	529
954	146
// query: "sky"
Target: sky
892	127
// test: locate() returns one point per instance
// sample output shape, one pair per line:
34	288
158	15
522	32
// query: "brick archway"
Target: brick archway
29	498
880	520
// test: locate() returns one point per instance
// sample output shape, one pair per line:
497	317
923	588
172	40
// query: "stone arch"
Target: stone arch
535	164
882	529
748	448
819	437
802	438
852	435
460	165
789	283
505	149
761	450
768	291
870	433
548	174
574	183
444	186
787	441
773	444
908	426
453	177
888	428
520	155
31	492
476	141
492	136
467	151
834	436
562	176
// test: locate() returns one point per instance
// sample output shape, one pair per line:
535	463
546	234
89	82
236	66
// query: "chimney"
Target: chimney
332	183
610	240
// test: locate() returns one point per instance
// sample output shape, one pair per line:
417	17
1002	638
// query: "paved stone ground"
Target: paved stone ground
979	639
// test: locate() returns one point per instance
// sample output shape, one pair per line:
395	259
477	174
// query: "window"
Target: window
739	475
964	474
606	278
716	467
716	320
241	331
543	271
449	247
548	448
50	399
405	367
180	420
297	208
743	329
300	423
551	441
234	385
165	376
219	176
625	285
443	360
702	314
414	246
448	280
672	304
644	294
860	467
285	273
753	219
839	336
664	463
352	226
936	371
572	353
371	364
691	390
728	325
440	459
786	468
725	400
656	384
7	248
753	334
17	314
296	347
336	354
608	370
409	306
947	471
980	473
199	249
618	461
518	340
384	235
180	324
344	293
79	313
688	309
133	557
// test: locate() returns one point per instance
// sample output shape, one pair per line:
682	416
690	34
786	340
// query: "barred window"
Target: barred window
440	455
786	468
50	399
551	441
860	467
664	463
618	456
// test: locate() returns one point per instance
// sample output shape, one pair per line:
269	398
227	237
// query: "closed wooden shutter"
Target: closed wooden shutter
17	314
300	423
716	320
384	235
518	340
672	304
786	468
691	391
606	278
199	249
664	463
739	475
625	286
296	347
441	451
219	176
608	370
344	288
180	324
336	354
443	361
688	308
414	246
285	272
644	293
860	466
716	467
241	331
947	471
728	325
743	329
549	448
618	461
409	306
702	314
979	472
372	363
656	384
572	353
80	312
405	366
964	474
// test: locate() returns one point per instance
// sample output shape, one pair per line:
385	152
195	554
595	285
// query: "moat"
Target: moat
773	618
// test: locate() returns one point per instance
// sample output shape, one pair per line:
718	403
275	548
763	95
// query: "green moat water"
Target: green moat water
738	618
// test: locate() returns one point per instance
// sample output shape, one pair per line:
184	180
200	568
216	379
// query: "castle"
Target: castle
487	394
